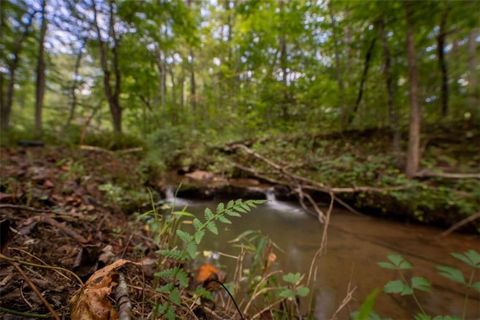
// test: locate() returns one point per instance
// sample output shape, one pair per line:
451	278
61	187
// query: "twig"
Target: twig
35	290
121	296
41	266
460	224
24	314
447	175
20	207
73	234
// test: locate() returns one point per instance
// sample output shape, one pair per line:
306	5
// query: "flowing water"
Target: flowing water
355	245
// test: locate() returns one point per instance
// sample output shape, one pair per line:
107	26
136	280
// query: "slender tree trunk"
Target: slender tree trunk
40	79
338	67
389	86
442	63
413	152
73	89
12	65
363	80
283	63
2	81
112	94
472	73
193	85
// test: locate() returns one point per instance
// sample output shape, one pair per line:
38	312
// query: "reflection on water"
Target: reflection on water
355	245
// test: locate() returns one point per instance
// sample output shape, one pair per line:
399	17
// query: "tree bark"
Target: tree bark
338	68
442	63
40	76
73	88
283	63
363	80
389	86
112	94
472	73
7	101
413	152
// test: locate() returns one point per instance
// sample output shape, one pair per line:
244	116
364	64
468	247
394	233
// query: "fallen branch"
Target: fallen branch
447	175
460	224
24	314
121	296
72	233
20	207
35	290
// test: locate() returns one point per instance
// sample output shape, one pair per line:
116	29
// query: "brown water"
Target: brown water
355	245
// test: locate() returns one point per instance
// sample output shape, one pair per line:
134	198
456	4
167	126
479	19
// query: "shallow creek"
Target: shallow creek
355	245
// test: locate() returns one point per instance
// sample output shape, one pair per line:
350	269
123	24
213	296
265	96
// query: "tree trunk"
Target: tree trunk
363	80
472	73
338	67
40	79
283	62
73	89
7	100
389	86
442	63
112	94
413	152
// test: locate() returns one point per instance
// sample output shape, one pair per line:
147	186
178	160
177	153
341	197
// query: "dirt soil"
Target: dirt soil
52	213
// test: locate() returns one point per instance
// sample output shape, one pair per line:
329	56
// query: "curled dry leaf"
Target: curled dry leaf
91	302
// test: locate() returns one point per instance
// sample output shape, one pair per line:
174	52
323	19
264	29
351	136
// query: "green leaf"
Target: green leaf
292	278
451	273
212	227
199	236
197	224
476	286
420	283
422	316
208	214
165	289
470	257
386	265
398	286
204	293
175	296
232	213
230	204
184	236
183	214
192	249
367	306
224	220
446	318
182	278
302	291
220	207
287	294
399	262
170	315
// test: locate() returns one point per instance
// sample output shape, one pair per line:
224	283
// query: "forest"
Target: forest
240	159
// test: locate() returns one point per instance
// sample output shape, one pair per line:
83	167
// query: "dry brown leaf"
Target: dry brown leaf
91	302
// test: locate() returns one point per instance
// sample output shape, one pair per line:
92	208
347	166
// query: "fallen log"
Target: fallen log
460	224
298	184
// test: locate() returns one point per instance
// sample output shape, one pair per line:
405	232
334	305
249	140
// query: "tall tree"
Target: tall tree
107	48
40	72
21	31
413	152
442	63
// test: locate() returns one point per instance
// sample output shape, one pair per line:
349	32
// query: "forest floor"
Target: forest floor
63	209
58	227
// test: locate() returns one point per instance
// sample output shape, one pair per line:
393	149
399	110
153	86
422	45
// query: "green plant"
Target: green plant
173	281
410	286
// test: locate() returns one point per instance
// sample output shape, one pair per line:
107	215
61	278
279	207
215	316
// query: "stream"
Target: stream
355	245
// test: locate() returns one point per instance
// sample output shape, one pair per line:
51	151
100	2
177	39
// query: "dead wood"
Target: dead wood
447	175
299	183
37	293
460	224
54	223
123	301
